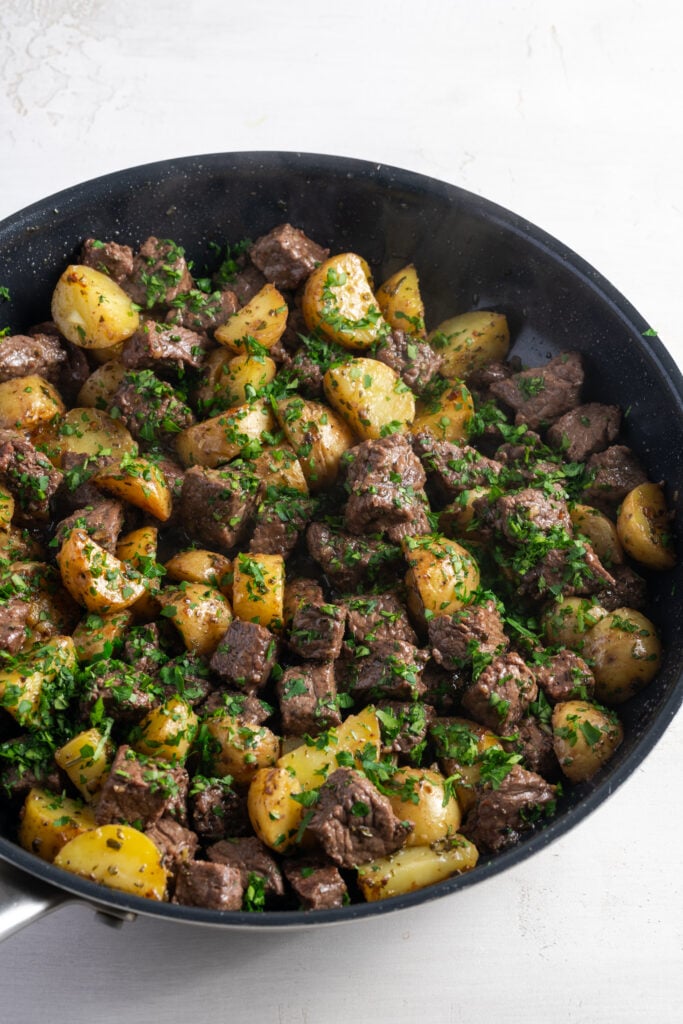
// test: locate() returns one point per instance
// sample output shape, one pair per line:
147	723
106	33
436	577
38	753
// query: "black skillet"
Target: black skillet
470	254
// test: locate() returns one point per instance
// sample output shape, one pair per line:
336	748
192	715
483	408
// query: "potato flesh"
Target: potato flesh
338	301
442	575
22	682
279	467
370	396
140	483
200	566
469	341
119	857
433	812
263	319
6	508
28	404
200	613
311	764
258	589
48	821
585	737
86	431
86	759
244	748
319	437
221	438
644	527
99	389
91	310
167	732
233	380
94	578
415	867
446	418
274	814
401	304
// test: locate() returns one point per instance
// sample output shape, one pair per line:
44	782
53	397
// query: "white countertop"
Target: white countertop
568	114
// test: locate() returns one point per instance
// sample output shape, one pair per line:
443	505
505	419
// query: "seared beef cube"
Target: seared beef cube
102	522
391	670
249	856
301	590
373	618
246	707
162	347
217	809
308	373
176	843
201	312
159	274
501	695
575	569
186	676
404	726
280	521
500	816
318	885
452	469
74	373
543	394
615	472
565	676
76	490
525	514
354	822
127	694
245	655
286	256
14	623
385	481
22	355
414	361
628	590
308	699
22	770
212	886
534	741
442	688
585	430
140	790
474	630
480	380
110	258
348	560
151	409
246	283
29	476
142	648
217	505
317	630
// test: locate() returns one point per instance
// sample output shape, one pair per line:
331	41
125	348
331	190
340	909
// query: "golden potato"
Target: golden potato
644	527
263	320
22	681
233	380
338	302
625	654
447	417
139	550
96	579
28	404
86	760
318	436
140	483
166	732
119	857
242	747
470	341
200	613
600	531
49	609
99	389
442	576
199	566
568	619
279	467
48	821
6	508
459	518
370	396
312	762
223	437
416	867
258	589
585	737
420	796
91	310
460	746
85	431
401	304
95	635
274	813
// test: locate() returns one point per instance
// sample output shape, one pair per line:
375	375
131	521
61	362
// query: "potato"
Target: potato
28	404
459	518
258	589
91	310
223	437
318	436
279	467
93	432
200	566
243	747
370	396
119	857
460	745
96	579
263	320
338	302
200	613
49	820
139	482
442	576
230	380
86	759
139	549
568	619
585	737
416	867
274	813
470	341
311	762
401	304
99	389
6	508
625	654
95	635
644	527
17	544
419	795
49	609
166	732
446	418
22	681
600	531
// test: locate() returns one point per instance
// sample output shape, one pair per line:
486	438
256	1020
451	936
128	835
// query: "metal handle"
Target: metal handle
24	899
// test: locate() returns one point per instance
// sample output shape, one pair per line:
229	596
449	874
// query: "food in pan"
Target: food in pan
301	604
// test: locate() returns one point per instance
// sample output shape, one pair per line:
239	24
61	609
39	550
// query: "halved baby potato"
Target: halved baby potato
48	821
166	732
319	437
223	437
91	310
22	681
99	389
90	431
585	737
644	527
415	867
469	341
28	404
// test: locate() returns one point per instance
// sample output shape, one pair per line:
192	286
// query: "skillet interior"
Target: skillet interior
469	254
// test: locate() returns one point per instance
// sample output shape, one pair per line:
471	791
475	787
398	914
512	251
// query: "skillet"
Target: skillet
470	254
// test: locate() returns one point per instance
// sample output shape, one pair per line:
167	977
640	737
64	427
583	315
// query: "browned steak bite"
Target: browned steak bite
318	885
142	648
217	810
286	256
201	883
616	471
541	395
373	618
457	638
414	361
390	670
151	409
481	379
139	791
280	521
452	469
245	656
102	522
201	312
385	481
404	725
354	822
501	695
164	347
246	283
317	630
217	505
176	843
29	476
110	258
527	512
501	815
76	490
628	590
22	355
308	699
534	741
348	560
565	676
587	429
126	693
159	274
250	856
15	613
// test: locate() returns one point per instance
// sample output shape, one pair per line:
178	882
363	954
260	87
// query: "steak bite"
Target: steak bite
245	656
534	741
202	883
217	809
348	560
627	590
164	347
385	481
391	670
29	476
286	256
456	639
22	355
404	725
524	514
110	258
126	692
176	843
317	630
318	884
201	312
159	274
217	505
585	430
501	695
565	676
151	409
140	791
452	468
354	822
501	815
281	519
414	361
250	856
102	521
615	472
374	618
308	699
541	395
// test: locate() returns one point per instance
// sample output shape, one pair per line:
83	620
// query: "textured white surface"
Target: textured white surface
569	114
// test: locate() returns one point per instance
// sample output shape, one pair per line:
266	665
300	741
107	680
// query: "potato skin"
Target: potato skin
644	527
625	654
401	304
222	437
166	733
442	575
312	764
263	319
585	737
469	341
200	566
416	867
370	396
258	589
140	483
600	531
319	437
48	821
86	759
274	814
230	380
446	418
242	748
28	404
94	578
421	799
568	621
102	384
338	301
91	310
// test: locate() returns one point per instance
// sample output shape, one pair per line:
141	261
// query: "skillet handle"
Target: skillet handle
24	899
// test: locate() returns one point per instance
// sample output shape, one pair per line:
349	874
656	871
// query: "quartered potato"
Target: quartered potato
644	527
318	436
166	733
233	380
99	389
469	341
23	677
338	302
263	320
86	759
447	417
600	531
48	821
96	579
419	795
200	566
274	813
91	310
242	747
258	589
201	614
223	437
119	857
140	483
370	396
401	303
139	550
278	466
90	431
416	867
311	763
442	576
28	404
